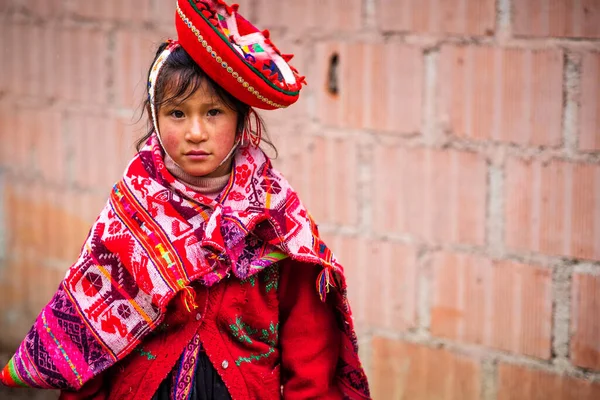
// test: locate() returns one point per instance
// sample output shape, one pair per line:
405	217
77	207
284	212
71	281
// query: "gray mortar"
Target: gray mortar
561	306
571	89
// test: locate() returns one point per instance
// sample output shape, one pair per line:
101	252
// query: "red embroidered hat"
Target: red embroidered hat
236	55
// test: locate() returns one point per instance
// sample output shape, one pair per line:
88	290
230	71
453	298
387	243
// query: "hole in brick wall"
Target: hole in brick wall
332	75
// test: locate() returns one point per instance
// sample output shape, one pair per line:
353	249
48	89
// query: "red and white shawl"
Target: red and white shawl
152	239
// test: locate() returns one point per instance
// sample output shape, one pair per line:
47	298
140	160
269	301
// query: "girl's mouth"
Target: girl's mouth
196	153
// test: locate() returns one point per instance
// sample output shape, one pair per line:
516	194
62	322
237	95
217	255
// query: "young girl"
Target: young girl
197	280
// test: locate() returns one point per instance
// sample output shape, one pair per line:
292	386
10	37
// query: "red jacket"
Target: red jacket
266	335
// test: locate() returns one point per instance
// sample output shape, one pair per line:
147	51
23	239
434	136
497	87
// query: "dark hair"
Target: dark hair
181	73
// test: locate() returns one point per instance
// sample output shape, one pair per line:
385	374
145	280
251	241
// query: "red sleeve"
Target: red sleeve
309	337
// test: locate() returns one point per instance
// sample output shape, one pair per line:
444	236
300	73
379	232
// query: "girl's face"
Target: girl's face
199	132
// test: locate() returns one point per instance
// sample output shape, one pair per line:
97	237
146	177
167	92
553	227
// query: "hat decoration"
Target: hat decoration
236	55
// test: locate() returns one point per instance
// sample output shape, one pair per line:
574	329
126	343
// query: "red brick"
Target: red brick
36	143
332	191
83	65
308	16
435	195
163	12
14	311
391	293
50	81
557	18
67	63
405	371
585	325
135	52
47	223
589	136
98	163
272	14
127	131
319	164
80	210
285	122
499	304
290	161
50	149
508	95
9	154
551	208
460	17
246	7
5	7
328	105
24	60
390	103
323	171
518	382
6	55
386	299
351	253
112	10
45	9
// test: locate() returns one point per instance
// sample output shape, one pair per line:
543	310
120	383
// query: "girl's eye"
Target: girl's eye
214	112
177	114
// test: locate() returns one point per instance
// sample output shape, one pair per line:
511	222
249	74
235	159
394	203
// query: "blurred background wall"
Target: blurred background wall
450	150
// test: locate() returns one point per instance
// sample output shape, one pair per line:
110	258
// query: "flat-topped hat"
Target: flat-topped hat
236	55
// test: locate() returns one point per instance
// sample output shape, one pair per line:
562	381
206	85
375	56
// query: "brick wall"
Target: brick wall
455	171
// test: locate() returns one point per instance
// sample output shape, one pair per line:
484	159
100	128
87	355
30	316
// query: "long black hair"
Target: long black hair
183	77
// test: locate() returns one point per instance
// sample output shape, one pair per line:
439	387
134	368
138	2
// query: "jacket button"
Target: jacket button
198	317
225	364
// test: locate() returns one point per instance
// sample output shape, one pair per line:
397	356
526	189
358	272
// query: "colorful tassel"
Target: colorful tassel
324	281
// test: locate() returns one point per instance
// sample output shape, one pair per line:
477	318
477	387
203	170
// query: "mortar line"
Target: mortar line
489	379
571	89
562	279
503	20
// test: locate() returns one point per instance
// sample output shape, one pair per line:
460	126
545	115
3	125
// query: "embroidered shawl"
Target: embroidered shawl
152	239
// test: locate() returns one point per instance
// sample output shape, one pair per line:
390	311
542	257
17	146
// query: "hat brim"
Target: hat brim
215	54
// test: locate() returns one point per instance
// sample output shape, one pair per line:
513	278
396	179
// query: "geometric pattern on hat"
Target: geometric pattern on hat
236	55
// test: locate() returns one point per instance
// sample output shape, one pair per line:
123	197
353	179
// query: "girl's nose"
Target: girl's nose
196	131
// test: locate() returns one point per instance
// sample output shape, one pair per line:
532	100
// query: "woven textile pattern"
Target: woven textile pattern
153	238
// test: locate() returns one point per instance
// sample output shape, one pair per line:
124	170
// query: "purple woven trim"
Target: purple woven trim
183	378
